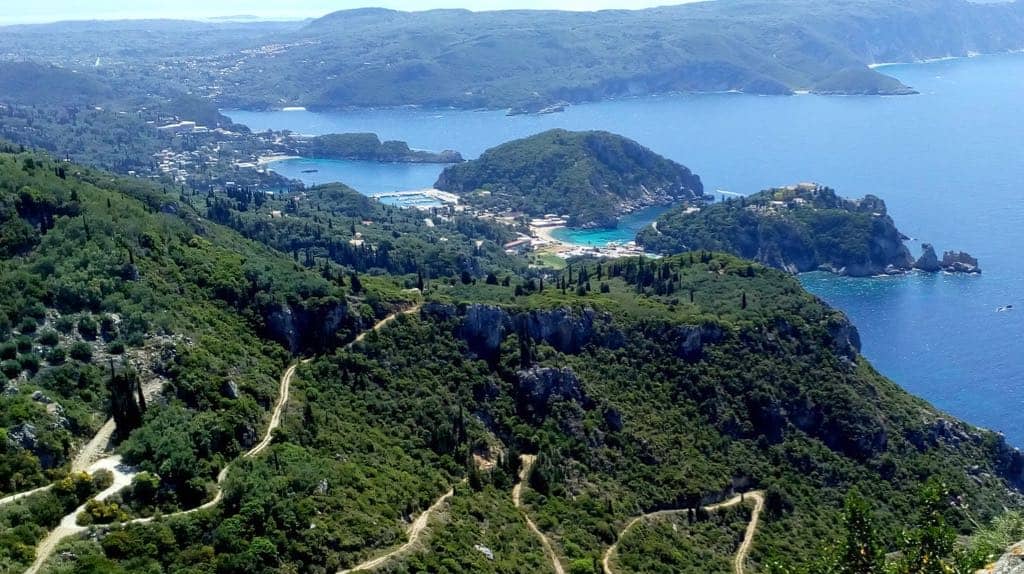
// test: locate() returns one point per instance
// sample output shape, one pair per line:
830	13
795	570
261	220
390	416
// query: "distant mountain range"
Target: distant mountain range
375	57
530	59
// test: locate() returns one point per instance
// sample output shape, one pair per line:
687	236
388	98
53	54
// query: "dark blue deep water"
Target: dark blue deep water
949	162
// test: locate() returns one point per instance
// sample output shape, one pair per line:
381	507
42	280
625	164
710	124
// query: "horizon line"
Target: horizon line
297	17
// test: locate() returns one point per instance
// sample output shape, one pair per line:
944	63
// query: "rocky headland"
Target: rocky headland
801	228
369	147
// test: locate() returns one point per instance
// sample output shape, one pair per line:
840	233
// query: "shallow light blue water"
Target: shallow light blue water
370	178
949	162
629	226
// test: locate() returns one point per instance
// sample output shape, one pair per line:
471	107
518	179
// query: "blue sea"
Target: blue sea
370	178
949	162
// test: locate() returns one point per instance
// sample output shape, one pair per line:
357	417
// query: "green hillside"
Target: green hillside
590	177
638	385
534	59
634	398
798	228
113	287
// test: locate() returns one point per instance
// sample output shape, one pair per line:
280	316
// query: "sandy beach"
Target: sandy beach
547	233
269	159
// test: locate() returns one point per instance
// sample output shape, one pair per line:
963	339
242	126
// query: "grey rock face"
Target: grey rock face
486	326
845	337
301	328
230	389
960	262
23	436
539	384
693	339
1011	563
39	397
928	261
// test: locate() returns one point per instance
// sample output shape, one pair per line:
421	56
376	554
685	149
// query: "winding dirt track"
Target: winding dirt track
526	466
90	453
20	495
739	561
68	525
94	449
123	476
415	532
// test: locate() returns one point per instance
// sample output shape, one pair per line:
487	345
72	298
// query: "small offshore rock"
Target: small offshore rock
929	261
960	262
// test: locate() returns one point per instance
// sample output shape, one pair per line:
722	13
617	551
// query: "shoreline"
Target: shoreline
549	244
968	56
547	234
503	109
269	159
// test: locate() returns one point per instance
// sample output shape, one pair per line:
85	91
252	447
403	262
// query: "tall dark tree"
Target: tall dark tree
125	393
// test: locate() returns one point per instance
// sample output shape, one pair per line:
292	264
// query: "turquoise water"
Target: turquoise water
629	226
949	162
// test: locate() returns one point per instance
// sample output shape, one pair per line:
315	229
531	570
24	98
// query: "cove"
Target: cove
949	162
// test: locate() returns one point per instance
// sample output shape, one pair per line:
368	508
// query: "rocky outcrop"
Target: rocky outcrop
307	327
960	262
845	337
230	390
928	261
1010	563
538	385
952	261
565	329
484	327
22	436
694	338
568	330
25	436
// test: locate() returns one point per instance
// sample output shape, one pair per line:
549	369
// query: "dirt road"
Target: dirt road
414	532
739	560
527	461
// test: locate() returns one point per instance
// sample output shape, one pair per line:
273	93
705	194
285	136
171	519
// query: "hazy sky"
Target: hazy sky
50	10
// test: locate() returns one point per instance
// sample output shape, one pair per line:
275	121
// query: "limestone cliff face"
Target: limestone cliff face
484	327
845	337
308	327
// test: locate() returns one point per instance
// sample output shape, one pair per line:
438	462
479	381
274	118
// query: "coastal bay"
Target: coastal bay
948	162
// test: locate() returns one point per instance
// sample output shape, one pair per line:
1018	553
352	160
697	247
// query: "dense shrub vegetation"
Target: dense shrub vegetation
638	400
112	287
797	229
590	177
